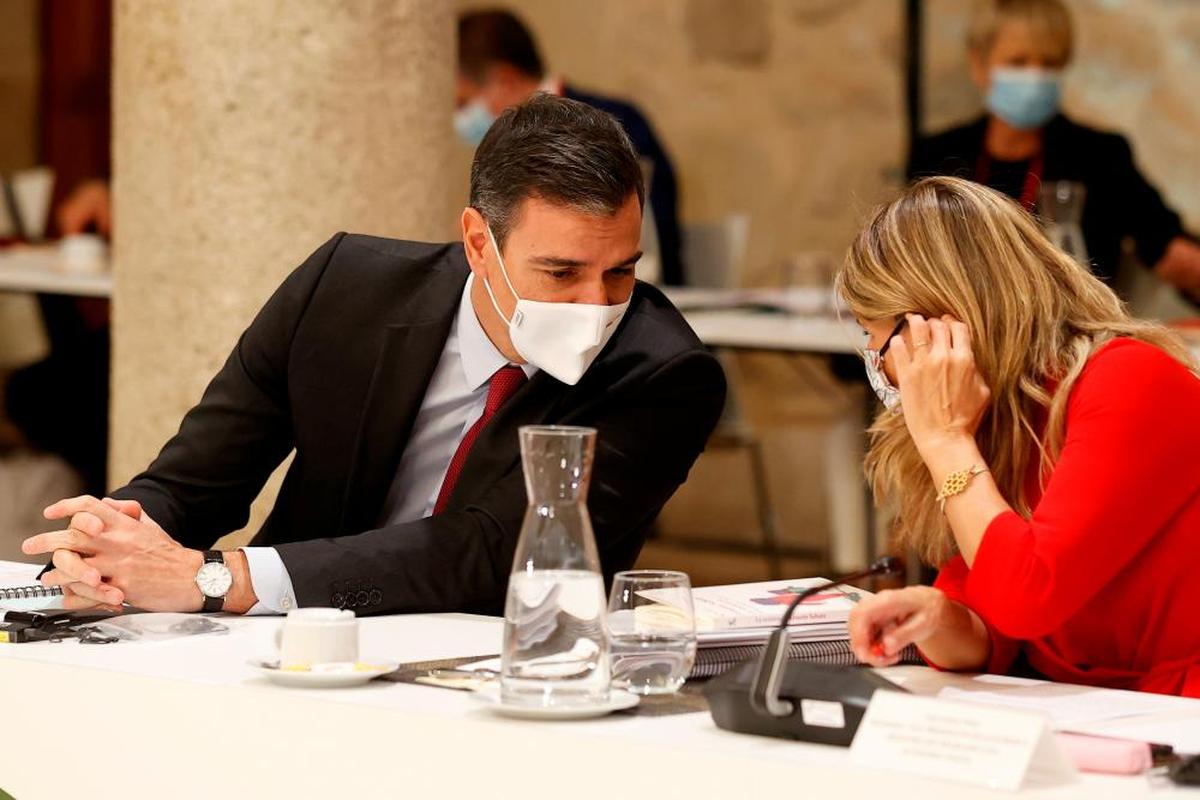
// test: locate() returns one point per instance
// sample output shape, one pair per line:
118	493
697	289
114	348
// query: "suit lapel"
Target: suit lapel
407	359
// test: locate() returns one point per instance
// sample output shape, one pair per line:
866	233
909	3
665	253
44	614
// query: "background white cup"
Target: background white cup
317	636
83	254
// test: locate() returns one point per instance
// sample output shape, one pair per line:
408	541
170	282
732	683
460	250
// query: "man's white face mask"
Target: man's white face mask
562	339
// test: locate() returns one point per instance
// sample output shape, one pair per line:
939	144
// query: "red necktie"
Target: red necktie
503	385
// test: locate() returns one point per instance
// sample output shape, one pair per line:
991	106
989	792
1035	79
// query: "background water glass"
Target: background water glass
1061	212
651	631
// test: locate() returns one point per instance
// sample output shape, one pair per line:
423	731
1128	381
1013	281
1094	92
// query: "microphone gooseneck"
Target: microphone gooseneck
764	693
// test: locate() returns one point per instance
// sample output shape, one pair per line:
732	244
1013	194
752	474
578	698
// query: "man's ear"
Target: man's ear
475	240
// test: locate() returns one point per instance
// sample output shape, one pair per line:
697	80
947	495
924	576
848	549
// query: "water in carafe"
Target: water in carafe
555	650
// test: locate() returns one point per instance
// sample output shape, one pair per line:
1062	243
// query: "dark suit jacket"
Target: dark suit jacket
1119	203
662	188
336	366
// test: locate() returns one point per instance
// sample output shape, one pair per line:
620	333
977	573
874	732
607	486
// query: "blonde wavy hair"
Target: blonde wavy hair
950	246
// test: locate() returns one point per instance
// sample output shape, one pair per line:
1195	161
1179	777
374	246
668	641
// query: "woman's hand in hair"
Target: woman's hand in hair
943	395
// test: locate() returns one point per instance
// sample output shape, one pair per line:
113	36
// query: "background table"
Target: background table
37	269
799	320
190	718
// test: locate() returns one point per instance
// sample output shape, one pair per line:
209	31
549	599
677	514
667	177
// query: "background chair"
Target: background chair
715	254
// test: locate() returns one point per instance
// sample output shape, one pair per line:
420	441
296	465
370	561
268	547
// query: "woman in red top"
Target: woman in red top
1041	447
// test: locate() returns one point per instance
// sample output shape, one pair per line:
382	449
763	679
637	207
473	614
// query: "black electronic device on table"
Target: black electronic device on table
1185	770
772	696
52	625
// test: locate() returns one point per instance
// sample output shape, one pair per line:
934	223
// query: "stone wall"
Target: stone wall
246	133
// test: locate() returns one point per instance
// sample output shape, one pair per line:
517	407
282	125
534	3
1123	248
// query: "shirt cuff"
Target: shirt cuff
270	580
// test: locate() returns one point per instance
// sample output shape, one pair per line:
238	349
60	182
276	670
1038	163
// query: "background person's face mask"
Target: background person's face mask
873	361
562	339
472	121
1024	97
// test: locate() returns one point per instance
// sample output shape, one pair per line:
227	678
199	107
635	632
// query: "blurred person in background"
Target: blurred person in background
499	66
1018	50
1038	444
60	404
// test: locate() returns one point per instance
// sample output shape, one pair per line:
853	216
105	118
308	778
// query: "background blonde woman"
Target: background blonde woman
1019	50
1042	450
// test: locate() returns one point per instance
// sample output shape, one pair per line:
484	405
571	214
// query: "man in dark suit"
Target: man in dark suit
499	66
400	372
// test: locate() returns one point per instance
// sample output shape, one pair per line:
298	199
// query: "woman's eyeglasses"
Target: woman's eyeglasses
888	341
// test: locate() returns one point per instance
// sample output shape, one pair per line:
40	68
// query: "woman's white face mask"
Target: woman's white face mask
888	394
562	339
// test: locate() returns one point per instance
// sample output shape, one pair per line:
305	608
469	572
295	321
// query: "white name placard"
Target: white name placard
993	747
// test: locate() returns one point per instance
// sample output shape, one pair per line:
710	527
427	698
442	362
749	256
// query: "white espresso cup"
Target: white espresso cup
317	636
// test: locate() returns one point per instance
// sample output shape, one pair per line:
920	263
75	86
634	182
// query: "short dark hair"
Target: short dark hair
556	149
495	36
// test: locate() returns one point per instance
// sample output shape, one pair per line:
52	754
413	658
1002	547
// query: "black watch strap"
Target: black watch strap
212	605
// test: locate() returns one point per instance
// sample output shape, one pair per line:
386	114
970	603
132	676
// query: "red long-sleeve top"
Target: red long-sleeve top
1102	585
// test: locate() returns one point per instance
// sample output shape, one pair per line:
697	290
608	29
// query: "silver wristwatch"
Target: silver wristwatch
214	580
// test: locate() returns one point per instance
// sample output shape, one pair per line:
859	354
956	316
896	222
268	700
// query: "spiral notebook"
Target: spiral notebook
712	661
19	592
36	592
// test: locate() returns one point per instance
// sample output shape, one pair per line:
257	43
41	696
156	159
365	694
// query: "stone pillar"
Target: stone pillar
246	133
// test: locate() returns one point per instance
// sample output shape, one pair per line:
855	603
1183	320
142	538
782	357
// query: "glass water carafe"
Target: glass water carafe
1061	211
555	650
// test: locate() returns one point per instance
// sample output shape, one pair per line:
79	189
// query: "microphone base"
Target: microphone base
850	688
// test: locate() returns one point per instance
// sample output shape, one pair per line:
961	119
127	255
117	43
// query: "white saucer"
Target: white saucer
618	700
325	676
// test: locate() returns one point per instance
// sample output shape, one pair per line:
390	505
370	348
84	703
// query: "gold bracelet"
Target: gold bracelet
956	483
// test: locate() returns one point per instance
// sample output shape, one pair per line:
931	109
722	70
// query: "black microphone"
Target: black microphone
764	691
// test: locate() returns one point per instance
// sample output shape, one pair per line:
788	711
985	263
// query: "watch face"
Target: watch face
214	579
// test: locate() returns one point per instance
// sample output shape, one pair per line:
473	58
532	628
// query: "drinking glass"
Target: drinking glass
1061	210
651	630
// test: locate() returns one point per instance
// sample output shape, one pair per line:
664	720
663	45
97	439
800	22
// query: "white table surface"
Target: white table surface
190	718
38	269
803	323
